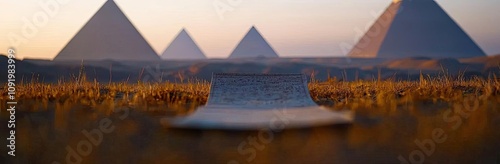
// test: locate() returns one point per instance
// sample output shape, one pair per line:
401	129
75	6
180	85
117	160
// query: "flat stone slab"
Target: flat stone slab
259	101
259	91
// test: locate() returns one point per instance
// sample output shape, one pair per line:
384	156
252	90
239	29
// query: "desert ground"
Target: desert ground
344	69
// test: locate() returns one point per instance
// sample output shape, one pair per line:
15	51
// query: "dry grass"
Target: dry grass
339	95
390	95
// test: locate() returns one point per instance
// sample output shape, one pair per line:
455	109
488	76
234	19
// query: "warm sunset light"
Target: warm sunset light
295	28
250	81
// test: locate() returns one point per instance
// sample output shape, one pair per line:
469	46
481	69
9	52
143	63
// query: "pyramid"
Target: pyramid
415	28
108	35
253	45
183	47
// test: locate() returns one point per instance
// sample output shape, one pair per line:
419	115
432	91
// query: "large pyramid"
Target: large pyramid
411	28
108	35
183	47
253	45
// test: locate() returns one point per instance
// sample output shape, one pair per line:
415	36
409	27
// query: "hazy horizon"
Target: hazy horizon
293	28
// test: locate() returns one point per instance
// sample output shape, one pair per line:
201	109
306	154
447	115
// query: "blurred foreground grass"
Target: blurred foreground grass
390	116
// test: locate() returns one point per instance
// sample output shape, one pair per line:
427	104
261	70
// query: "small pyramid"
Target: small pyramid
415	28
108	35
183	48
253	45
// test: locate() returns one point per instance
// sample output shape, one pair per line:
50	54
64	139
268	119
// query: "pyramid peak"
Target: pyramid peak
396	1
110	1
252	45
110	4
254	29
183	47
108	35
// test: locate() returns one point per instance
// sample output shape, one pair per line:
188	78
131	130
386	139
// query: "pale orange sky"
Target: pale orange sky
293	27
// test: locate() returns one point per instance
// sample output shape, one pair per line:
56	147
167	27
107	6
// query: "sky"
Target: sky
294	28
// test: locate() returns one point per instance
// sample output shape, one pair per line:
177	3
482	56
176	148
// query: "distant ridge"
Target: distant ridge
108	35
410	28
253	45
183	47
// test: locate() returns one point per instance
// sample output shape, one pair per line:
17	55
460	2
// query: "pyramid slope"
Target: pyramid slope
419	28
253	45
183	47
369	45
108	35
